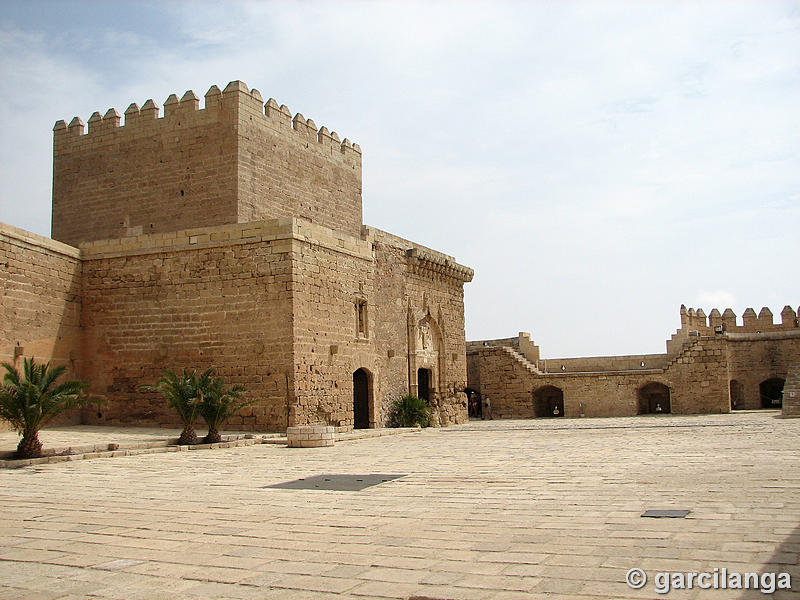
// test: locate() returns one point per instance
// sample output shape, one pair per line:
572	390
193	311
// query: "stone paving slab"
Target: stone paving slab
75	435
83	442
488	510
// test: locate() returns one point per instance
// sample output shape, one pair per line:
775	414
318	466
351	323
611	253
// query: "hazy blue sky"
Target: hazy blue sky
596	163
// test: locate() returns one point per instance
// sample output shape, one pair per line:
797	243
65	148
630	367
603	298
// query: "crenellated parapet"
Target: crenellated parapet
229	157
695	320
219	105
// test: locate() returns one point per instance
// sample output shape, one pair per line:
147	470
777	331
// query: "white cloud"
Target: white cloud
720	299
597	163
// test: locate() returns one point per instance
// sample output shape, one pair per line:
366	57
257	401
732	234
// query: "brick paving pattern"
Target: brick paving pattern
489	510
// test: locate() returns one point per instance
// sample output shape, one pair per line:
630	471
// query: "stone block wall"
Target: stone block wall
235	160
215	297
754	358
416	284
791	392
150	175
603	363
289	168
697	380
511	385
41	302
272	306
333	274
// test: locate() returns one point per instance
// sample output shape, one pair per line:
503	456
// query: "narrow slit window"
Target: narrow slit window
361	319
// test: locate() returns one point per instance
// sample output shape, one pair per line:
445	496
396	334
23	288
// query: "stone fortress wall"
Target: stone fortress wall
231	236
235	160
41	302
712	365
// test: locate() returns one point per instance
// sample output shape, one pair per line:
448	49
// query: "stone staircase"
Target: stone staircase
520	358
685	351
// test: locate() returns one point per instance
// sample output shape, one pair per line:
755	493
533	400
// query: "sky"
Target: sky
597	164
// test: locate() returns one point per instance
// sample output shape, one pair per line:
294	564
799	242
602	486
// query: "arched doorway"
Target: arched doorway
654	399
548	401
424	384
361	399
737	395
771	391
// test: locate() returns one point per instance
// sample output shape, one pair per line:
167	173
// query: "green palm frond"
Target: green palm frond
220	403
409	411
181	392
29	403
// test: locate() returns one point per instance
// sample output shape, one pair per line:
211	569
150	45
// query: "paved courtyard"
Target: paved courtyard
489	510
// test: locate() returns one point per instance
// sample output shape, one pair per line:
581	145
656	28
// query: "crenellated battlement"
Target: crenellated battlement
235	159
186	113
726	321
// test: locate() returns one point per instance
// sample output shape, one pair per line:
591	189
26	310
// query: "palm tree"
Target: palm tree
218	405
183	395
409	411
29	403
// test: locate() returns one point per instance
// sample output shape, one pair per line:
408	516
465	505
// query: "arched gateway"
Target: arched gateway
548	401
654	399
771	391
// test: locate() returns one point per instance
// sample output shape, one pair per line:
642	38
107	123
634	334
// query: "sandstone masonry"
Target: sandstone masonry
236	160
231	237
712	365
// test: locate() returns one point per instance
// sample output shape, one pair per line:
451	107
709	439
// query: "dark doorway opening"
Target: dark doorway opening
360	399
737	395
474	403
548	401
424	384
654	399
771	392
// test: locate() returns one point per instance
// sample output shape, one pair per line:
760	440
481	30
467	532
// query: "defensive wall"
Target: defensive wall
41	301
217	296
712	364
231	236
270	305
235	160
791	393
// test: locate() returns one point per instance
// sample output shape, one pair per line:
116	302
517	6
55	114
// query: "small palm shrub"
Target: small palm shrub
183	395
218	403
29	403
409	411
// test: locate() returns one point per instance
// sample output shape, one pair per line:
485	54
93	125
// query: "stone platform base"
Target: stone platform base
310	436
